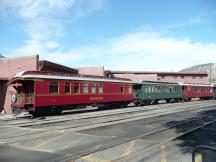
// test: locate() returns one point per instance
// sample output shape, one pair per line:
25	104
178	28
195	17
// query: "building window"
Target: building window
174	77
85	88
100	88
54	88
193	77
76	88
182	77
67	88
122	88
93	88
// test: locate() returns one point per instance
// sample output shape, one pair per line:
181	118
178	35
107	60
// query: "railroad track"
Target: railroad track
140	152
78	126
122	119
137	111
69	116
192	125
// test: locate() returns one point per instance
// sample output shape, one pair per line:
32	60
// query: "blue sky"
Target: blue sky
118	34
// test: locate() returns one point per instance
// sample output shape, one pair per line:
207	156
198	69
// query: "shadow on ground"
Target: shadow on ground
204	136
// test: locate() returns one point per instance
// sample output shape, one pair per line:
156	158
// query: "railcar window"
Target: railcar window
122	88
162	89
156	89
159	89
76	88
149	89
67	88
129	89
53	87
18	90
153	89
145	90
85	88
93	88
100	88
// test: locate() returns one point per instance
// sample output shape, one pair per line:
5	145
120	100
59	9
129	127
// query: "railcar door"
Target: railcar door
28	90
23	99
214	92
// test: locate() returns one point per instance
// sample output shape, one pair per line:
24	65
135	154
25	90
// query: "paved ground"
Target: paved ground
41	144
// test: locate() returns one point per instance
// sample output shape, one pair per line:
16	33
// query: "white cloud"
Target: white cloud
185	23
142	50
45	21
153	51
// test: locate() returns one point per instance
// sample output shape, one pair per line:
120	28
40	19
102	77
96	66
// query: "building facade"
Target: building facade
10	66
171	77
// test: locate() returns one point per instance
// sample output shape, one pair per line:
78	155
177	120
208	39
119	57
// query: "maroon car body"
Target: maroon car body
44	90
198	91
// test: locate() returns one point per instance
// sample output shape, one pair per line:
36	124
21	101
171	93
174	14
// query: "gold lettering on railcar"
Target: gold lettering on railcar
96	98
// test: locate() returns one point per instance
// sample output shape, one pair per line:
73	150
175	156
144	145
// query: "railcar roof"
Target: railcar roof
196	85
64	76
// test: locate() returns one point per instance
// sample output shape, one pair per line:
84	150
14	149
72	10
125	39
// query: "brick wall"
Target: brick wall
3	89
138	77
184	79
167	78
98	71
9	67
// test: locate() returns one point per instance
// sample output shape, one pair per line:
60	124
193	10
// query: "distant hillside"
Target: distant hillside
203	68
1	56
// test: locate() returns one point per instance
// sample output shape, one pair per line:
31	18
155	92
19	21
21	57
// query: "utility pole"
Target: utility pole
210	73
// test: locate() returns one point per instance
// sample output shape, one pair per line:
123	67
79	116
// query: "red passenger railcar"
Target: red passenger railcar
38	91
197	91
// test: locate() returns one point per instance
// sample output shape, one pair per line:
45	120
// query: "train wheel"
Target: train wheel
168	100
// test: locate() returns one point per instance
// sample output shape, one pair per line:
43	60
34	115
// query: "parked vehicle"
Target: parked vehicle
150	93
44	91
202	92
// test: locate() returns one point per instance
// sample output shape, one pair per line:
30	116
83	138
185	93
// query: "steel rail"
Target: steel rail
104	124
114	111
164	142
94	150
104	115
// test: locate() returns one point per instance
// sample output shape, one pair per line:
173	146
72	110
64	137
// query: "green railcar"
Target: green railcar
149	93
214	92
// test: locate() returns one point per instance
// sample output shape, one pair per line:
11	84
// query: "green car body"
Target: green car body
152	92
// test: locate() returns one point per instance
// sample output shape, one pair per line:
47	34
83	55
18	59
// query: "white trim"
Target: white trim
25	76
196	85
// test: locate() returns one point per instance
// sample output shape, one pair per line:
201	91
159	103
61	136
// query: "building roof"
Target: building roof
45	65
157	72
64	76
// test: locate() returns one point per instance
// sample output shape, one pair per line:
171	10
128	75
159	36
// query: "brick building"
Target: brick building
97	71
10	66
171	77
